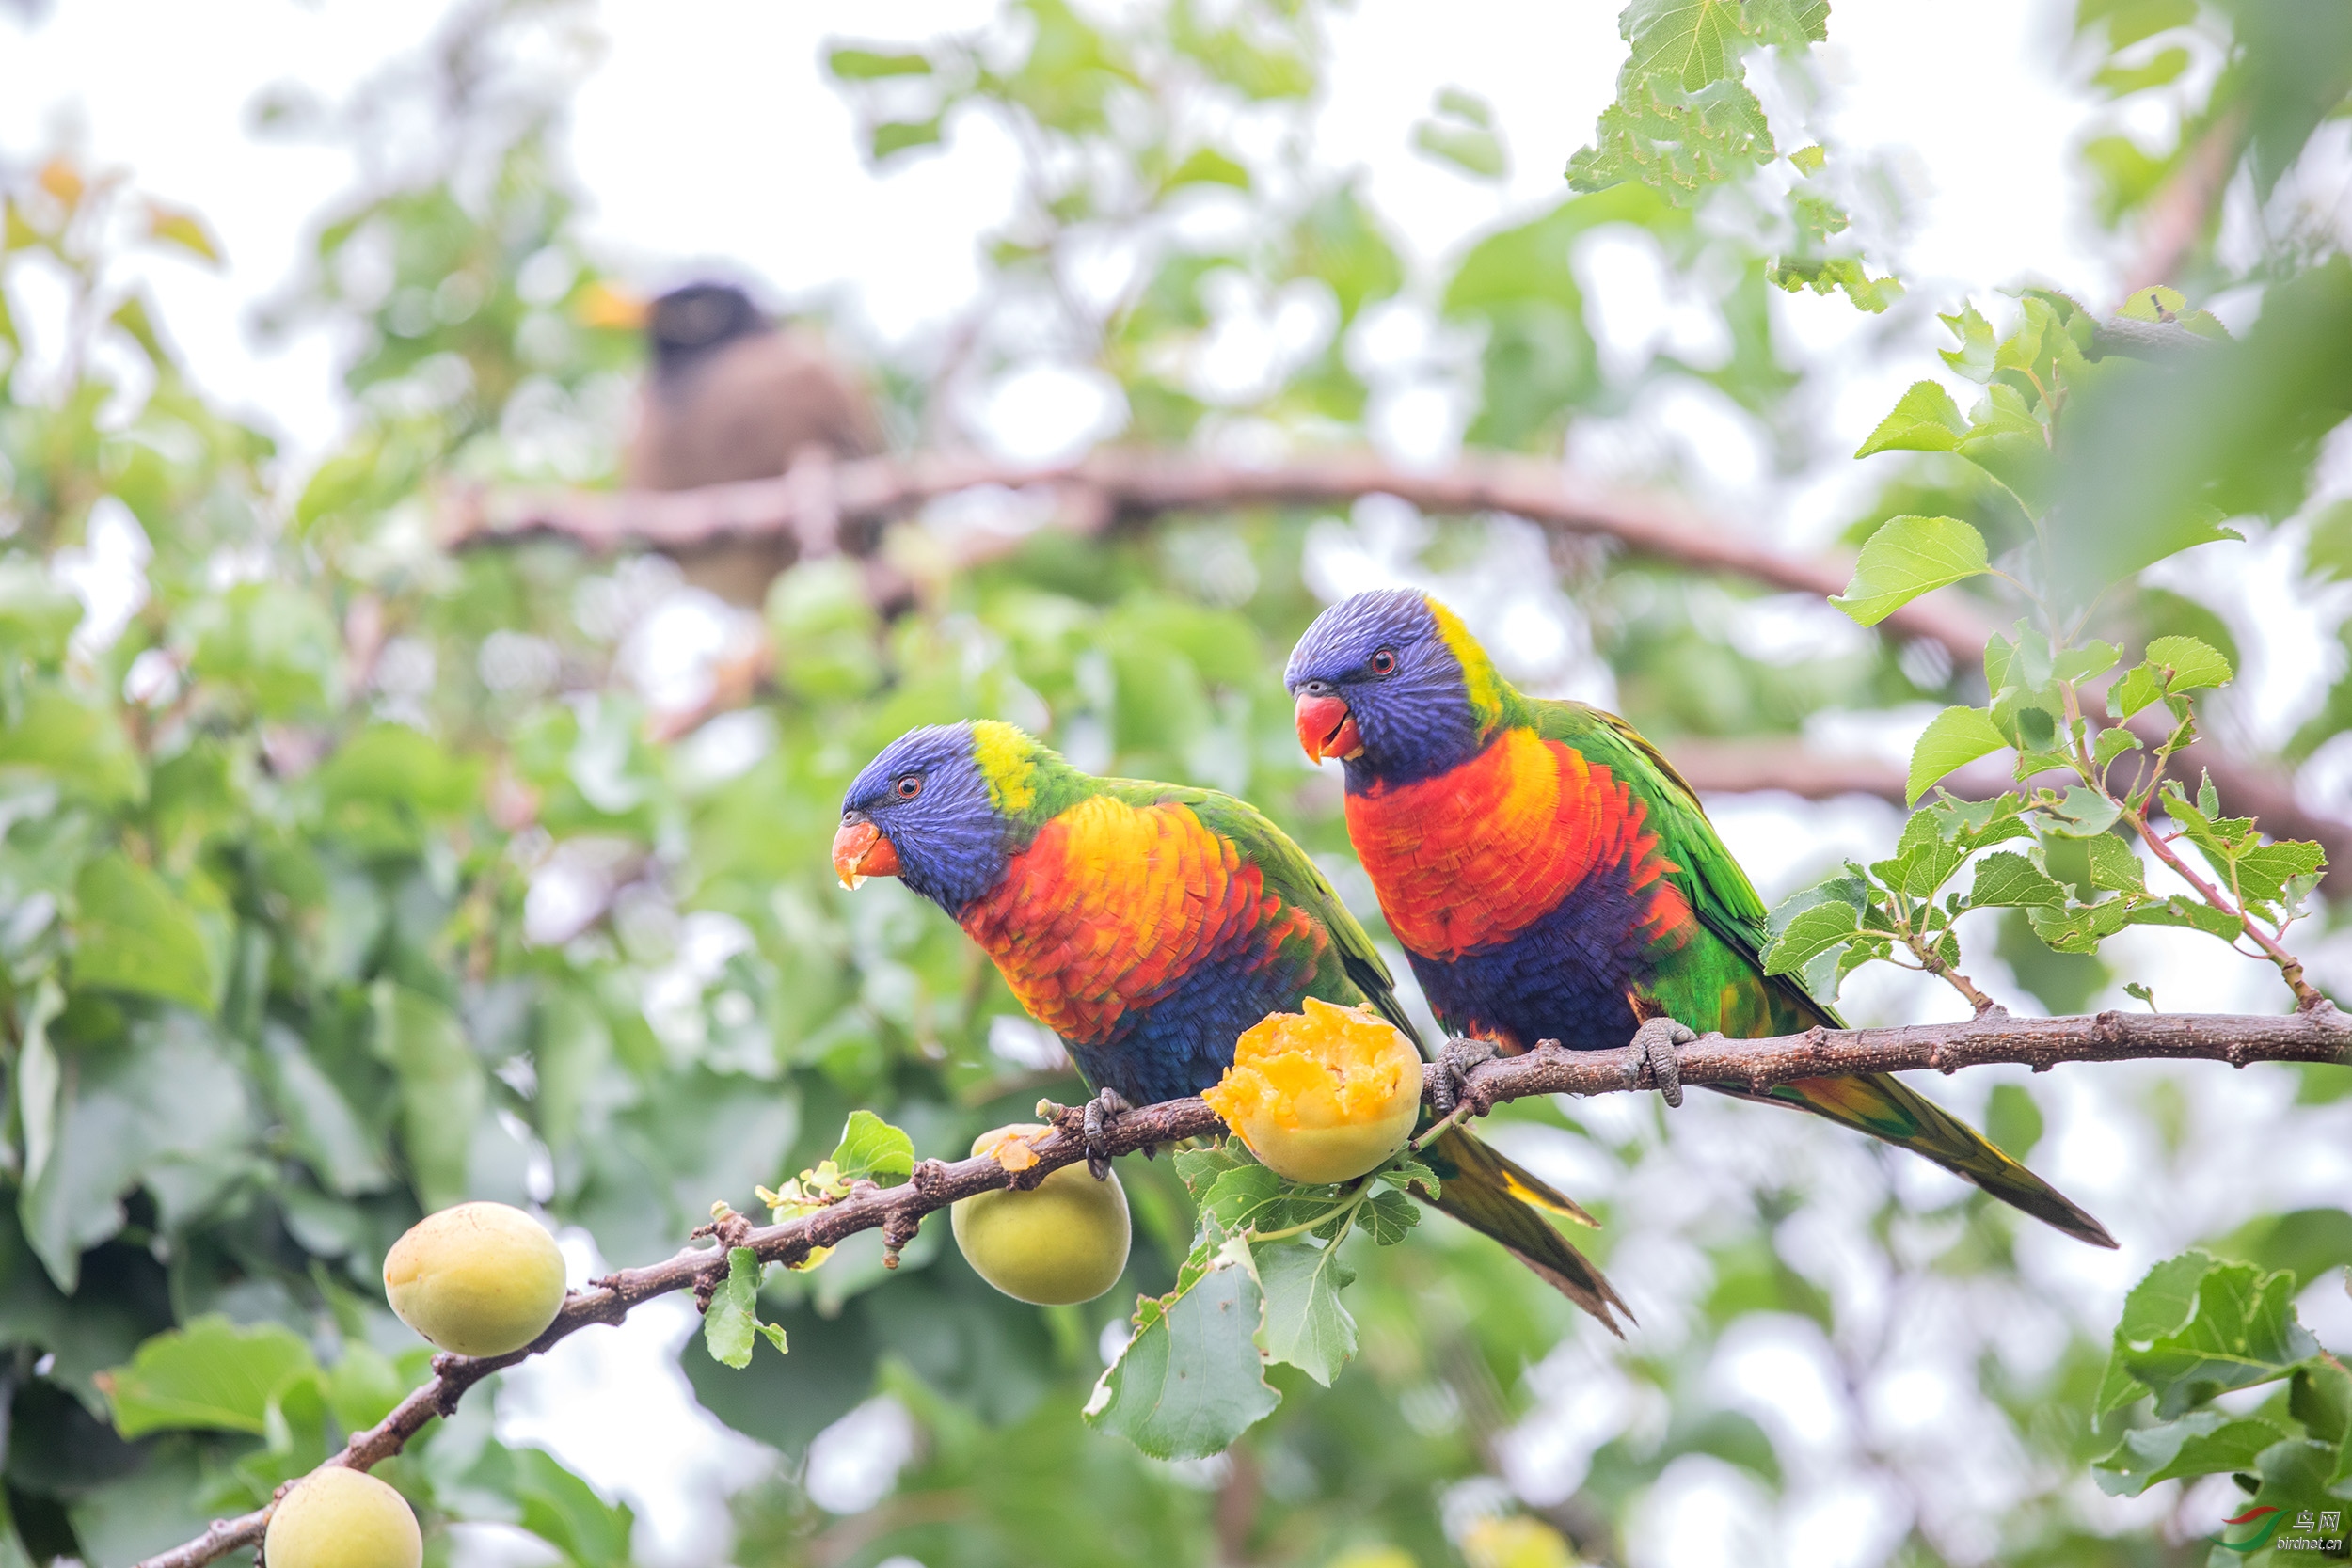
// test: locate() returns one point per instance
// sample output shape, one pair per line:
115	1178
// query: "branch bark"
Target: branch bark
1117	485
1754	1065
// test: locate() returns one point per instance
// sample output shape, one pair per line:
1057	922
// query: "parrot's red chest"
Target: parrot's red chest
1469	859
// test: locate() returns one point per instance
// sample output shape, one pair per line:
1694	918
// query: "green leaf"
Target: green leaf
1974	358
1924	858
37	614
2140	686
2009	880
868	64
1307	1325
1253	1198
210	1376
2113	865
1471	148
442	1089
2188	664
180	227
2243	1332
894	137
2320	1397
397	765
163	1107
1809	159
1405	1172
2082	929
2157	1305
729	1324
870	1148
2088	662
1924	419
131	932
1388	1216
2112	743
2204	1443
1907	557
80	747
1811	933
1953	738
2081	813
1208	167
1189	1382
2193	913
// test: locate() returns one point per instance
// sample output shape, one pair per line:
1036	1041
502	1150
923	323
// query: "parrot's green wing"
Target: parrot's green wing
1477	1185
1717	980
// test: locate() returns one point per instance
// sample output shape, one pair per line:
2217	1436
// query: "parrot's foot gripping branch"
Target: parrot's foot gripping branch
1655	1040
1456	1060
1099	1114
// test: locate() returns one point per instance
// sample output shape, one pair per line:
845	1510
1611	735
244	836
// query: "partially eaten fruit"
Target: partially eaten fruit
1325	1094
1062	1242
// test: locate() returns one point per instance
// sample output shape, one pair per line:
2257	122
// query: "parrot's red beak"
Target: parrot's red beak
1328	729
859	851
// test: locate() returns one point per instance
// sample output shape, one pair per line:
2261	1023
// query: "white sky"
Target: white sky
708	133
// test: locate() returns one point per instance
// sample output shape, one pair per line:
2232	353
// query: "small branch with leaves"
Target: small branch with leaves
873	1183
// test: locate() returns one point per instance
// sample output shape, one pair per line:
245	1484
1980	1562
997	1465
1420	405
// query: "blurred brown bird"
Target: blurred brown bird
730	396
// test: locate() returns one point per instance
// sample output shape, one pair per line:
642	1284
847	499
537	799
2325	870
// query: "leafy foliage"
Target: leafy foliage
286	954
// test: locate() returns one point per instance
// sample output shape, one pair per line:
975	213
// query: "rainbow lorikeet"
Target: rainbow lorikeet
1149	925
1552	877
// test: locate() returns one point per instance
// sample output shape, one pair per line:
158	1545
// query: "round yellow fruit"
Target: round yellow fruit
339	1518
1324	1095
479	1279
1064	1240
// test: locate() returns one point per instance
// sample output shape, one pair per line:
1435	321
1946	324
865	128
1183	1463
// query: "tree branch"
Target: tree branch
845	504
2041	1043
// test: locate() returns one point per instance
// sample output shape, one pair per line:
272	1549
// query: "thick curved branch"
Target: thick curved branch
1754	1065
823	506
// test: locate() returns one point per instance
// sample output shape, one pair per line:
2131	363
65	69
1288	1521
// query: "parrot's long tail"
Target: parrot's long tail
1884	1108
1502	1201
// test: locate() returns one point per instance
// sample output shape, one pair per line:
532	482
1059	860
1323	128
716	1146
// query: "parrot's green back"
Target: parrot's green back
1715	979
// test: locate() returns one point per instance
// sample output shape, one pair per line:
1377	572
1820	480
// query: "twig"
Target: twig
2039	1043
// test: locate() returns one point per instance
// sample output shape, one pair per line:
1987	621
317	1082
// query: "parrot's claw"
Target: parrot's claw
1655	1040
1099	1110
1456	1060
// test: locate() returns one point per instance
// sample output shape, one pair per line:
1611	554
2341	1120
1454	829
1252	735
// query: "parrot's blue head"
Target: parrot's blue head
1393	685
941	809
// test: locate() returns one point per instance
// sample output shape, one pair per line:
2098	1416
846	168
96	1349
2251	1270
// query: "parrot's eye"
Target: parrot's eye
909	785
1383	661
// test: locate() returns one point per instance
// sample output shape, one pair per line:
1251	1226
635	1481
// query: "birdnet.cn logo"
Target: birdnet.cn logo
2307	1530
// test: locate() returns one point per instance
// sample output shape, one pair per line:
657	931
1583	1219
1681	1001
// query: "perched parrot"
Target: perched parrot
1552	877
1149	925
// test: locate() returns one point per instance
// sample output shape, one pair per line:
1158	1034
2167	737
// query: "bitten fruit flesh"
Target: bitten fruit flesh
1321	1096
478	1280
341	1518
1062	1242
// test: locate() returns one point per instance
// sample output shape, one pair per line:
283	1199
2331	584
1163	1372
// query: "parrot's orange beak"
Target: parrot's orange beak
1328	729
859	851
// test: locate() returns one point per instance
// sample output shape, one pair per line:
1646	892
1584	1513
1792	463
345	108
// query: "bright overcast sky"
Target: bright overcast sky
707	133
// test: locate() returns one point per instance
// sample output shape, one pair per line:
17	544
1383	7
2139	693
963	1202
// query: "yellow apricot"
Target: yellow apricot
340	1518
1063	1240
479	1279
1324	1095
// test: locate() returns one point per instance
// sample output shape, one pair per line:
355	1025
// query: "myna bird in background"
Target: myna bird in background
731	396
